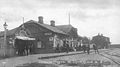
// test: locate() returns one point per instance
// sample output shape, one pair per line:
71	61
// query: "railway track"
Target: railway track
102	53
111	57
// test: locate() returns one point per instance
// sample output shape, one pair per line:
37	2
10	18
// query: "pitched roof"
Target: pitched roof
9	32
65	28
52	28
69	29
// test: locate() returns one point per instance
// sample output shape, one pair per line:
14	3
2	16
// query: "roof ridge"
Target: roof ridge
54	29
65	25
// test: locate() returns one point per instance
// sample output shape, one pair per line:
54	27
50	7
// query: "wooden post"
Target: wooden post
54	40
5	34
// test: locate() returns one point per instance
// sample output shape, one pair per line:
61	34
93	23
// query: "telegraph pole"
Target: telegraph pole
23	19
5	36
69	18
23	23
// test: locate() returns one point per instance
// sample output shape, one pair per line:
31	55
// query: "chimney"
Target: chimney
52	23
40	19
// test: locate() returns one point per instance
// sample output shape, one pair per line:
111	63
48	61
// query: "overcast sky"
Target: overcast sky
89	16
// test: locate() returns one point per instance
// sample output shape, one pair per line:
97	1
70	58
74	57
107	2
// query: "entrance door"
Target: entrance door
23	47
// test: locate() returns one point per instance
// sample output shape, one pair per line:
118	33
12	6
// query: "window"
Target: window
39	44
50	38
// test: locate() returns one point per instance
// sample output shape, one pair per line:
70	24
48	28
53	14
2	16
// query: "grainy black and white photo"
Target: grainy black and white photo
59	33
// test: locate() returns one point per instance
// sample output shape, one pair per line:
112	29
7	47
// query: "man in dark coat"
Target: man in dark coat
95	48
88	48
84	48
67	46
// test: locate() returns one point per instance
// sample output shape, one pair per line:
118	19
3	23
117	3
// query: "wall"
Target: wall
42	35
10	51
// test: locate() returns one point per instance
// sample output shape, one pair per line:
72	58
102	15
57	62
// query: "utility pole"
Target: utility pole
5	36
23	23
23	19
69	18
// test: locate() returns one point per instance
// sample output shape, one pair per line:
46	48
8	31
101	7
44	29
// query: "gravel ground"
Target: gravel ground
79	60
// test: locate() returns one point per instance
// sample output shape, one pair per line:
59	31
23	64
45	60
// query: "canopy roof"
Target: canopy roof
24	38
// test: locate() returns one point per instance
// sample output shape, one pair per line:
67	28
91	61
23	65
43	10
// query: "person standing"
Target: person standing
84	48
88	48
67	46
95	48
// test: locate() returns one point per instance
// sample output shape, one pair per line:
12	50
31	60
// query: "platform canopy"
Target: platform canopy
24	38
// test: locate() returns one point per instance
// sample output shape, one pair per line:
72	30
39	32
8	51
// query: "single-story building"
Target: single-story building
101	41
42	37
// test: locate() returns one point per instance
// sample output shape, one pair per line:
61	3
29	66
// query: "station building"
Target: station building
42	37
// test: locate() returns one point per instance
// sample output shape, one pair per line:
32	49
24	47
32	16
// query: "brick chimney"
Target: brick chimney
52	23
40	19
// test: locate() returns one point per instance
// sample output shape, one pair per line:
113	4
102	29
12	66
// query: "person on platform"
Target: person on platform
67	46
88	48
95	48
84	48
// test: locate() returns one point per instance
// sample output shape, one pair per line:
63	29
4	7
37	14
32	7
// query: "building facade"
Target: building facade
101	41
43	38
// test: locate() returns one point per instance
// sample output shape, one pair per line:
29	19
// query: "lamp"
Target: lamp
5	27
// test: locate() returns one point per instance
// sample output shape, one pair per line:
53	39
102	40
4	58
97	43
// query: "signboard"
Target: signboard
47	33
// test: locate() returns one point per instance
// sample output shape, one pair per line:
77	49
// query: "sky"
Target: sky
90	17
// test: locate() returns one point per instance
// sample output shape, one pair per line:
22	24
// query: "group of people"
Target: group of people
22	47
64	48
86	47
67	47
